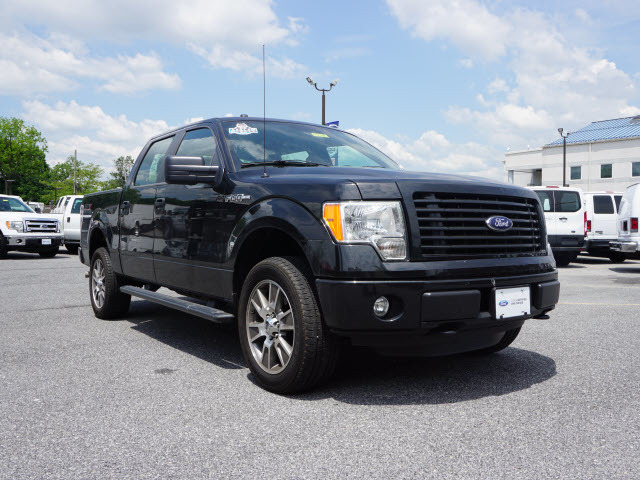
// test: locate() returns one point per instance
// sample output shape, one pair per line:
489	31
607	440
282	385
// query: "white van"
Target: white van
602	224
629	212
67	210
564	213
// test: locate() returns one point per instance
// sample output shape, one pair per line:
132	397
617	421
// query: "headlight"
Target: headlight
378	223
17	226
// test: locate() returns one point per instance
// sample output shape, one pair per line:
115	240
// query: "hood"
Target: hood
379	183
18	216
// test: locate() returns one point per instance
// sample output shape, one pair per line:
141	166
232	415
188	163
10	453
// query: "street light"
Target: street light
564	156
331	85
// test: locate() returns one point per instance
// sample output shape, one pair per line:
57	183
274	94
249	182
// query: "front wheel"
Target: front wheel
104	288
507	339
49	253
72	249
283	338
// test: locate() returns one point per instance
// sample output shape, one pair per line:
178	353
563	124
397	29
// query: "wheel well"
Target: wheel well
96	241
261	244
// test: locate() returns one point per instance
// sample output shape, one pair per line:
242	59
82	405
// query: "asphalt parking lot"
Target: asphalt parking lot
162	394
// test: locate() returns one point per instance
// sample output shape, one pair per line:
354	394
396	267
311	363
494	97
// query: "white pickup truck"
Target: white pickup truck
67	211
23	229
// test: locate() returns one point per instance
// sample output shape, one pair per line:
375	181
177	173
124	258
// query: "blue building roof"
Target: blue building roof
603	130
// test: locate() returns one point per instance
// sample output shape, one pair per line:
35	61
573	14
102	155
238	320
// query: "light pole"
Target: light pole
331	85
7	186
564	156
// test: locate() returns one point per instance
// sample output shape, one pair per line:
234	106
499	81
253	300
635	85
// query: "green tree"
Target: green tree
22	159
123	166
61	177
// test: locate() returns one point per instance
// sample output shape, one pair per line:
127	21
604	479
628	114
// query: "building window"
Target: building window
605	170
510	176
576	173
635	169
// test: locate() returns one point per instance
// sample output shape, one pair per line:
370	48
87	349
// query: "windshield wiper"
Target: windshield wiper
283	163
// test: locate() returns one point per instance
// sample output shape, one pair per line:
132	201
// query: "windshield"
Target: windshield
8	204
306	145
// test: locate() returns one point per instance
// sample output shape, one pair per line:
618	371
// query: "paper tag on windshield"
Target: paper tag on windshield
243	129
323	135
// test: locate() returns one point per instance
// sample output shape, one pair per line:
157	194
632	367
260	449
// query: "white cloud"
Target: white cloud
30	64
433	152
552	82
98	136
225	34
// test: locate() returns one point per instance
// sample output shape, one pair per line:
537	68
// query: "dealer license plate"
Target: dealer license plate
513	302
46	241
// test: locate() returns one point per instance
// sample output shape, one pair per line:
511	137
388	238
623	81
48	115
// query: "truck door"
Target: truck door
136	214
189	243
604	224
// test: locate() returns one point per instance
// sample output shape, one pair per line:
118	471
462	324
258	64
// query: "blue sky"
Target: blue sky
439	85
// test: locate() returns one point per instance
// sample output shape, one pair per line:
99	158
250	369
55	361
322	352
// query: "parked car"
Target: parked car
317	241
23	229
67	210
602	224
37	207
564	213
628	241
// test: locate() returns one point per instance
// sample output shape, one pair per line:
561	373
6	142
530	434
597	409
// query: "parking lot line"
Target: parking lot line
601	304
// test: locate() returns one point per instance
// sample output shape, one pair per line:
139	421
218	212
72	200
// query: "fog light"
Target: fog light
381	306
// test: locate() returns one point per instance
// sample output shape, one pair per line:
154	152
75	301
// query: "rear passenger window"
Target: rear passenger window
546	199
602	204
148	171
566	201
199	143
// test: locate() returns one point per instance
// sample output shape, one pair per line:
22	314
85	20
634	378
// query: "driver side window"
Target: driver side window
199	143
149	168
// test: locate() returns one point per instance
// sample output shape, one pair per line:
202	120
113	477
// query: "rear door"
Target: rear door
569	212
603	224
72	220
546	199
137	214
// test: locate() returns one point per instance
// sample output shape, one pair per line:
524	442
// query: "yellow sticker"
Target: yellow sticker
323	135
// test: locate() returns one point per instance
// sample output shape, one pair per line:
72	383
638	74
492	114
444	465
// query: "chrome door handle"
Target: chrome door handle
564	219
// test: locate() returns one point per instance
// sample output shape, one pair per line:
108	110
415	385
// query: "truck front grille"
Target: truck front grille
40	226
454	225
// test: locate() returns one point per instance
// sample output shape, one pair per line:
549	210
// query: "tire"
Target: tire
562	259
104	288
49	253
3	247
617	257
286	353
72	249
507	339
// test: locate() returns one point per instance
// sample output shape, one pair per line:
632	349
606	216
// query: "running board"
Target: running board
187	306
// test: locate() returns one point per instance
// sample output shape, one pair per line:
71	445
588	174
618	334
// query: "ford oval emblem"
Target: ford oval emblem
498	223
503	303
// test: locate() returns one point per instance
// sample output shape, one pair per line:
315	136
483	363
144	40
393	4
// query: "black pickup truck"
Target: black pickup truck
311	239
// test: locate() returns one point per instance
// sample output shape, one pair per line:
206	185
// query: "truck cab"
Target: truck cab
22	229
314	243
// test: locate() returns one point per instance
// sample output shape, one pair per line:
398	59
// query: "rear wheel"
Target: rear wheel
284	340
3	247
507	339
617	257
49	253
104	288
72	249
562	259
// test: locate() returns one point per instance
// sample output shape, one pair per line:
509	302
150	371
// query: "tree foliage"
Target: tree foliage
22	158
123	166
61	177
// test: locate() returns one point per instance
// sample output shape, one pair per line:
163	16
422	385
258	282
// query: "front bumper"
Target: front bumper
621	246
32	243
434	313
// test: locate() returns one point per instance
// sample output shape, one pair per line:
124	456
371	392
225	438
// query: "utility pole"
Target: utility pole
75	166
323	90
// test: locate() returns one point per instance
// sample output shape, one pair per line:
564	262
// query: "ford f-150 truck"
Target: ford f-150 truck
311	239
21	228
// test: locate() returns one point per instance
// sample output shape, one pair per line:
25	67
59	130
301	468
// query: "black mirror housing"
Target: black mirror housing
190	170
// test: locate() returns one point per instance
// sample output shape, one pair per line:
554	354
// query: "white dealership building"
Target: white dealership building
604	155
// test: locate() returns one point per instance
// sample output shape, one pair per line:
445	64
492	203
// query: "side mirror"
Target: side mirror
190	170
37	210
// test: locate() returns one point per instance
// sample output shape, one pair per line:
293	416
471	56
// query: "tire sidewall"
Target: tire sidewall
269	271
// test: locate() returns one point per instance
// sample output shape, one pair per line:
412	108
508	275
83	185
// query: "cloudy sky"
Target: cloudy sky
445	85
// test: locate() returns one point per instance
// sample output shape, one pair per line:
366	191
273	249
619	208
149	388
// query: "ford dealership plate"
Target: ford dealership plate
46	241
513	302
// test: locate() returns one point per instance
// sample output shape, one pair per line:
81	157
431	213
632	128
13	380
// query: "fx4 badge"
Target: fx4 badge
235	198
